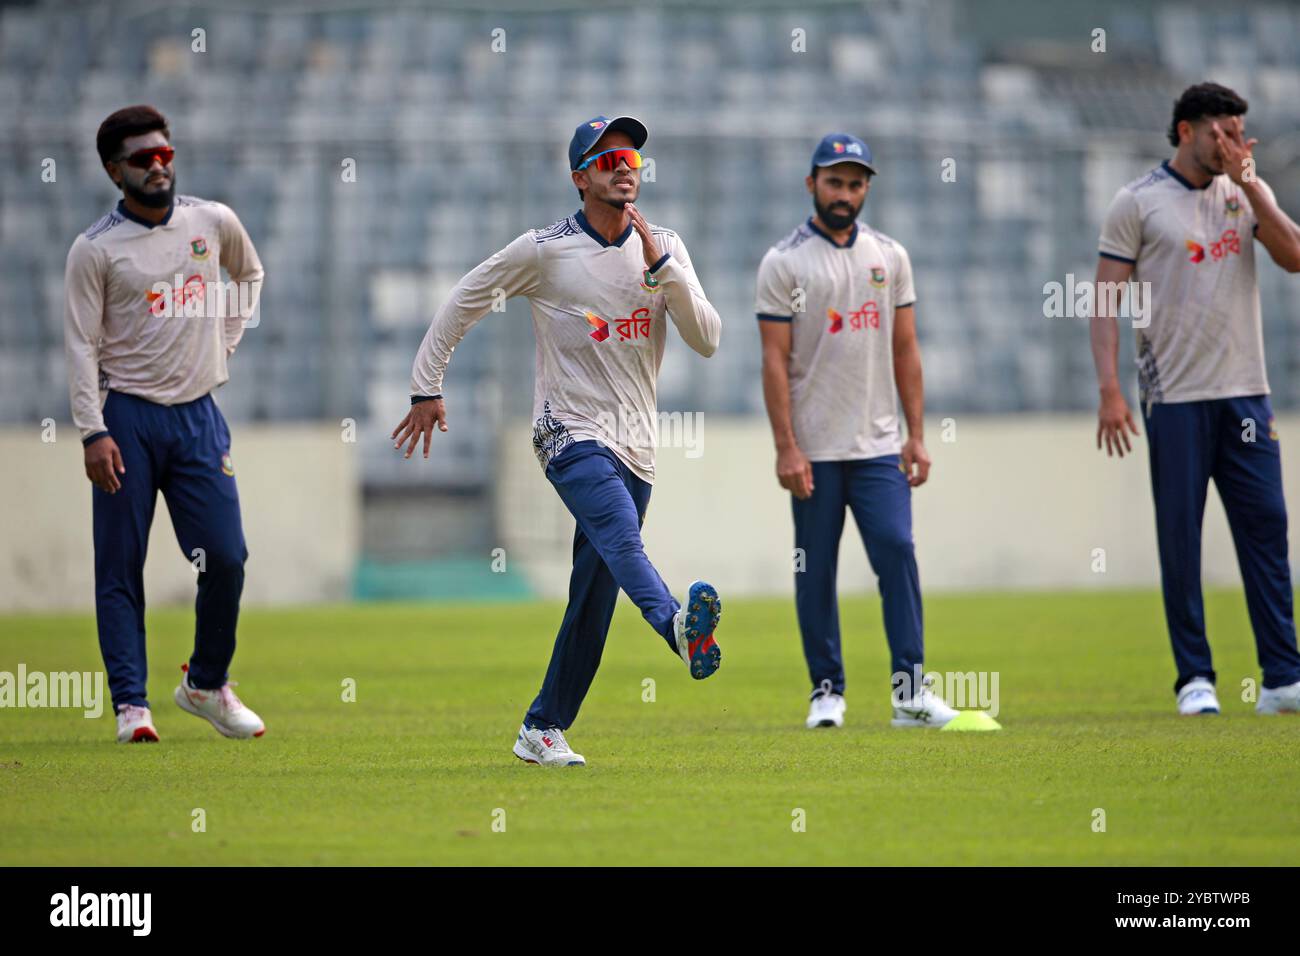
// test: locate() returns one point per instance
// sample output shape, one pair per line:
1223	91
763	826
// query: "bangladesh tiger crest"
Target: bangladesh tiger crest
227	466
1232	206
878	277
648	282
198	248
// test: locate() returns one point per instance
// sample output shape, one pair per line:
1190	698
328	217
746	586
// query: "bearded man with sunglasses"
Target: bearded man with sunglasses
601	301
148	329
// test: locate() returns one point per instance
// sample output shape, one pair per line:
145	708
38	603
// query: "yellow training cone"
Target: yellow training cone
972	720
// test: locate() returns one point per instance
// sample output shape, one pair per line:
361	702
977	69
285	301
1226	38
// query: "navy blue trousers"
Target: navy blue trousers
609	503
1191	443
878	494
183	451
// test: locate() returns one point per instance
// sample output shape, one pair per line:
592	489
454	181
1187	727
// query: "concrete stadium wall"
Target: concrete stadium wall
1012	502
301	512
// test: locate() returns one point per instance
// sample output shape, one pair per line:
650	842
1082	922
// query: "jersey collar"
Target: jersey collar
1173	172
853	236
586	227
123	211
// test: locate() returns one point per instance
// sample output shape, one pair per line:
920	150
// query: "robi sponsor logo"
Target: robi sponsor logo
866	317
1228	244
167	300
634	326
193	297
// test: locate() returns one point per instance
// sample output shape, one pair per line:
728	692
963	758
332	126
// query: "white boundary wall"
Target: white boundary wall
301	513
1013	502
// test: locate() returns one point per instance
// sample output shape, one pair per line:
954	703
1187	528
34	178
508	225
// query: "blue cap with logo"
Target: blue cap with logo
586	135
843	148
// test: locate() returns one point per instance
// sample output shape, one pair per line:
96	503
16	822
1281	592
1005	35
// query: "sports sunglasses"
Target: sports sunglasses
144	158
609	159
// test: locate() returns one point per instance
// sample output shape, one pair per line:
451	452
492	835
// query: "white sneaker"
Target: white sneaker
135	725
827	708
546	748
221	708
1197	697
925	709
1279	700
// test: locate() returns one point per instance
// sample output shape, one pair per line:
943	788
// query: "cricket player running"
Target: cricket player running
1186	228
146	345
599	298
837	316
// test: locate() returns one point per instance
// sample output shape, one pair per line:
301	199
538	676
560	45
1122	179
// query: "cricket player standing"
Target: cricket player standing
141	367
1186	228
600	302
837	316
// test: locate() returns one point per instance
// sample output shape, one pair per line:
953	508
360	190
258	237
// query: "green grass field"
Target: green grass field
709	773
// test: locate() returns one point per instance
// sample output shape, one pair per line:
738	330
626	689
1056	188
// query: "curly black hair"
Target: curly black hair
127	122
1205	99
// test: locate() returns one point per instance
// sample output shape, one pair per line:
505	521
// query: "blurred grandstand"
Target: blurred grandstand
459	148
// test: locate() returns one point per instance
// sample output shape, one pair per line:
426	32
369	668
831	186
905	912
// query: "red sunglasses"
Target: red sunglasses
609	159
145	158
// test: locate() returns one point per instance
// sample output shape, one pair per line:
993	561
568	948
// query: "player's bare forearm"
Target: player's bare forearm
794	472
776	396
1114	418
778	340
914	460
1104	334
907	370
1103	331
911	387
1276	230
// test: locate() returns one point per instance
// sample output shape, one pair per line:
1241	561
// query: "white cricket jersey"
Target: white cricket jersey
124	331
843	398
599	317
1196	248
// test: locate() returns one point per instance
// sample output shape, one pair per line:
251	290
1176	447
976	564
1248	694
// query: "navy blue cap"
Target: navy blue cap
586	135
843	148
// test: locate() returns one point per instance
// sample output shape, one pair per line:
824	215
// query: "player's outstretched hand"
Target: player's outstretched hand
794	472
648	244
104	464
1114	422
420	420
914	461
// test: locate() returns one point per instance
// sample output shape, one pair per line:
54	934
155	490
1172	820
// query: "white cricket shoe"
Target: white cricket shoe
135	725
221	708
827	709
1197	697
546	748
925	709
1279	700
